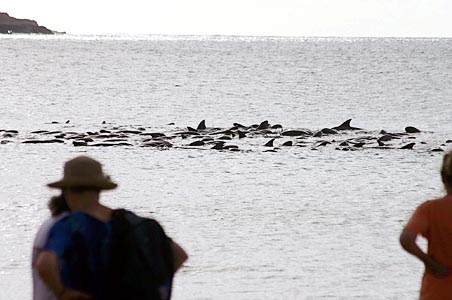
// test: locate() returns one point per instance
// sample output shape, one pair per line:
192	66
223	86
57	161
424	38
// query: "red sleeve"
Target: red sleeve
419	222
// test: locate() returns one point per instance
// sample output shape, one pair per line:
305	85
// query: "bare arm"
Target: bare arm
179	255
47	267
408	242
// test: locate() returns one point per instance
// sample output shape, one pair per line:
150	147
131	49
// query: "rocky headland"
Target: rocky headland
12	25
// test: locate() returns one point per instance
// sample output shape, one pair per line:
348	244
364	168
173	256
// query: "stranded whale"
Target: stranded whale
239	137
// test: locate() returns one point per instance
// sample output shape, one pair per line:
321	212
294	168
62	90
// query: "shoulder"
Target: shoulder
145	225
434	206
70	222
152	223
123	219
45	226
44	229
78	217
427	204
132	219
435	203
143	222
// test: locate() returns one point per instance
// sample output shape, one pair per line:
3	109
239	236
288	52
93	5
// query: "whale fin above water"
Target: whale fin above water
346	126
263	125
269	143
408	146
202	125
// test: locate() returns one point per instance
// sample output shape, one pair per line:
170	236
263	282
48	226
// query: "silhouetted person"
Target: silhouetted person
433	220
75	259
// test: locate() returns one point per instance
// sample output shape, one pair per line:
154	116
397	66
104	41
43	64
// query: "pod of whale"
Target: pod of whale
238	137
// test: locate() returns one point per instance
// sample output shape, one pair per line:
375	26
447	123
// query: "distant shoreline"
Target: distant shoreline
11	25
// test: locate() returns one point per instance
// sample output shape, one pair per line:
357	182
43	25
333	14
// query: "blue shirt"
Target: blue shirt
82	245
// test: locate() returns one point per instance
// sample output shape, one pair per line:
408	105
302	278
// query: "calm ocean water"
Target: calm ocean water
297	223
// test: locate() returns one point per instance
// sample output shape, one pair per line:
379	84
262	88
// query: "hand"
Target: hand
435	267
70	294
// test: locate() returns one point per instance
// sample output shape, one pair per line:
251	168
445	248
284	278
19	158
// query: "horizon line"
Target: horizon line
106	34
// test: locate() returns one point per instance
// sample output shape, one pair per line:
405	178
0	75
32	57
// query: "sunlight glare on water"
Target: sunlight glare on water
297	223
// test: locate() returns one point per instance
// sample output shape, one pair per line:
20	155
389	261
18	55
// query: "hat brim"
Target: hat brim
103	184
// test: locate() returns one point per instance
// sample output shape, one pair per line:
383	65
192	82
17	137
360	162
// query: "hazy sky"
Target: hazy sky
414	18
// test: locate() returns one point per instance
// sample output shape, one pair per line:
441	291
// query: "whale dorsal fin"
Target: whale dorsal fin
408	146
269	143
202	125
345	126
263	125
346	123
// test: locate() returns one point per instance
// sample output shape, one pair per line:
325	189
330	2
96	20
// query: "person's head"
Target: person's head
446	172
82	181
78	197
57	205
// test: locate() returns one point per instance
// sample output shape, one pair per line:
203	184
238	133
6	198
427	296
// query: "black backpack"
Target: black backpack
141	263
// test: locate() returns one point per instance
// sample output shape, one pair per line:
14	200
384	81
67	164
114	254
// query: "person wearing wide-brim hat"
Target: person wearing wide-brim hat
76	252
74	261
84	172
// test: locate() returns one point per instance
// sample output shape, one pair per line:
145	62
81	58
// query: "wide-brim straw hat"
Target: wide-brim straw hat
83	171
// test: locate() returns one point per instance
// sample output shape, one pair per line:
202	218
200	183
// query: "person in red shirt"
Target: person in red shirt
433	220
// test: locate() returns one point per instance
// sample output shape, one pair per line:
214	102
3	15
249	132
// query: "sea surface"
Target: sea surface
297	223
